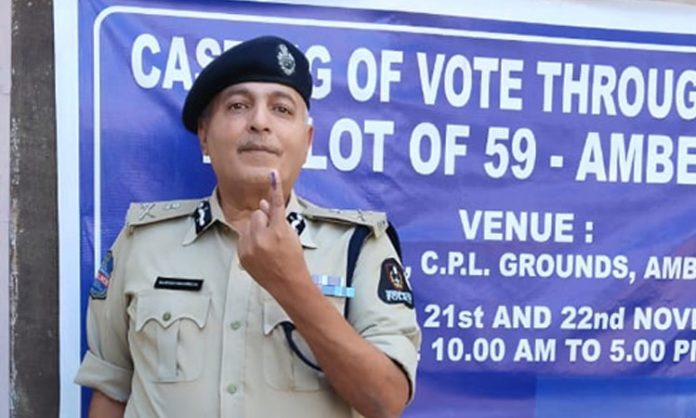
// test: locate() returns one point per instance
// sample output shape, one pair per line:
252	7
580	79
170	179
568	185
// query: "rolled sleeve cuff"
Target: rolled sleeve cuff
110	380
401	350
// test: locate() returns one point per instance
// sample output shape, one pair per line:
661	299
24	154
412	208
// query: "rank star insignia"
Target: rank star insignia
286	61
145	210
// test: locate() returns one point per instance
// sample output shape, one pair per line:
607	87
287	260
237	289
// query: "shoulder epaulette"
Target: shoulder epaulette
143	213
376	221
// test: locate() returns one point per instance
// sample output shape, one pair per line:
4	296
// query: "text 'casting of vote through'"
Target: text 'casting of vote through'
460	81
451	79
575	349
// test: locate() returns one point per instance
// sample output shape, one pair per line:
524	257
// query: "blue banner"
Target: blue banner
542	179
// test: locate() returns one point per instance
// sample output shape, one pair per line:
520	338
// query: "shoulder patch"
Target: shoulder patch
376	221
394	288
100	285
143	213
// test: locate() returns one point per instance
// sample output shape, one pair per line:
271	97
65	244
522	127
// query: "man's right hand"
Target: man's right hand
269	248
104	407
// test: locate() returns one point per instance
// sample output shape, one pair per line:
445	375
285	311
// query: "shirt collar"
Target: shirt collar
209	212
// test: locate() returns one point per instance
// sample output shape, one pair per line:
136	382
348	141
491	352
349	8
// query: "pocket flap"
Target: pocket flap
273	314
167	307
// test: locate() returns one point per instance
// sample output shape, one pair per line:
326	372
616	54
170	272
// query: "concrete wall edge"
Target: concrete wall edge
66	79
5	88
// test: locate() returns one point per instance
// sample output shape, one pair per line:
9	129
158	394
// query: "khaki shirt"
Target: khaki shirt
220	350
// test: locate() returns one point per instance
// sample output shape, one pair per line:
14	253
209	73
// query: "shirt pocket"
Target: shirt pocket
284	349
167	335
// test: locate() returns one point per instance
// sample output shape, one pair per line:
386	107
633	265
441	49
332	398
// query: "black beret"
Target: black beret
267	59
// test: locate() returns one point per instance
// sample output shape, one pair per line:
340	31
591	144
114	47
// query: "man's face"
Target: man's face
252	128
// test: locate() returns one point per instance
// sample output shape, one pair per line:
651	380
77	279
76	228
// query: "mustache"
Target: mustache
253	145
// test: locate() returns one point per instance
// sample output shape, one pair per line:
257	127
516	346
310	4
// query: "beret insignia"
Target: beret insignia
285	60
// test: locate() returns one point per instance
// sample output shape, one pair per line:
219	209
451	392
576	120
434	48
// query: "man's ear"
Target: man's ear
310	135
202	132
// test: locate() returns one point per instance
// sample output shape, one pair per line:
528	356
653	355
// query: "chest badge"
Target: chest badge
176	283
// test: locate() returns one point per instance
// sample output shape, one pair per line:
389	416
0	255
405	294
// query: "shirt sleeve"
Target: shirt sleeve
107	365
382	310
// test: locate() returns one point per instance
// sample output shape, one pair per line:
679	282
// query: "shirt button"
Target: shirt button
235	325
231	388
167	316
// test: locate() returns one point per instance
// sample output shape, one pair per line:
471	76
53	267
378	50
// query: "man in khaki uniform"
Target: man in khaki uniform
252	302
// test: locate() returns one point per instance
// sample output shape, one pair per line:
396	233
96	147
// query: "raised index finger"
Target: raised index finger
277	199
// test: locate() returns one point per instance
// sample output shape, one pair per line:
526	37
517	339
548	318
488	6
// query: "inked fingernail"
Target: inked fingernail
274	183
